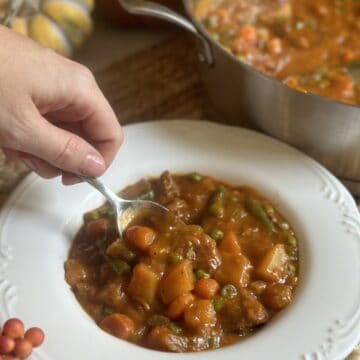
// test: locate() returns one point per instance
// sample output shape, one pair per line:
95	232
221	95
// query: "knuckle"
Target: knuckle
71	147
84	75
84	83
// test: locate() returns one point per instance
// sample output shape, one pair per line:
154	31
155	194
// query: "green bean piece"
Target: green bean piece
259	213
292	240
269	208
195	176
219	193
218	303
217	234
175	258
119	266
217	209
147	195
229	291
202	274
158	320
108	311
175	328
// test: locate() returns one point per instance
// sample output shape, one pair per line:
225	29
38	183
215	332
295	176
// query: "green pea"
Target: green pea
158	320
196	177
280	20
108	311
229	291
214	342
175	258
324	84
218	303
175	328
202	274
292	240
217	234
291	268
120	267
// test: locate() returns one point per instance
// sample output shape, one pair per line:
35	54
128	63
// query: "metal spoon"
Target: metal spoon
125	210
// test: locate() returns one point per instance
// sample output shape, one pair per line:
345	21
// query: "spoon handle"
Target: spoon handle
98	185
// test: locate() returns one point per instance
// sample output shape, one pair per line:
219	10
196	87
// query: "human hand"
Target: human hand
53	116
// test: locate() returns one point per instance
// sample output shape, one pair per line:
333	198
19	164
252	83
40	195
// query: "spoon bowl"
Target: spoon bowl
125	210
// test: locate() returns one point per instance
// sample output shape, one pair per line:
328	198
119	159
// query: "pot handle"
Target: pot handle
149	8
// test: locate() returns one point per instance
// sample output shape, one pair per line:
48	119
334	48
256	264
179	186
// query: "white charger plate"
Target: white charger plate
40	219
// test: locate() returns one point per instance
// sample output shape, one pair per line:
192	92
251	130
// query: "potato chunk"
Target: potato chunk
143	285
272	265
229	243
178	281
200	314
235	269
278	296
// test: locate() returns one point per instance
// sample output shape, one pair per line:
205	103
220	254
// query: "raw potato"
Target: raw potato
178	281
235	269
272	266
144	285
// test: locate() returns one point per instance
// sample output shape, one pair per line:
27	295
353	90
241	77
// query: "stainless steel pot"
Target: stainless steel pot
327	130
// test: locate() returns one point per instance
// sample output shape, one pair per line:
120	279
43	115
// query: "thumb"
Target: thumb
62	149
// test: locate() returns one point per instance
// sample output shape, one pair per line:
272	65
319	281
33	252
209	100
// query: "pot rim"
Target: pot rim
200	27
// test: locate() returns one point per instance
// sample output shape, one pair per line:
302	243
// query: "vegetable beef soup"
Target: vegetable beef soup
312	46
212	271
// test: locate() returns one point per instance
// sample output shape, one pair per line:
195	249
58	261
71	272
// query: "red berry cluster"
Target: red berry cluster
16	343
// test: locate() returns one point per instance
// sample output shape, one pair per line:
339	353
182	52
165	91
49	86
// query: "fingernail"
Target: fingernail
29	163
93	165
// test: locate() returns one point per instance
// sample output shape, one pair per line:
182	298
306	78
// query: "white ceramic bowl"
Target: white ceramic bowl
39	221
